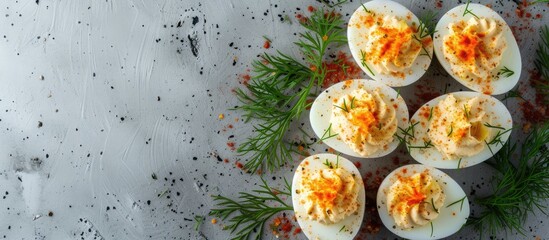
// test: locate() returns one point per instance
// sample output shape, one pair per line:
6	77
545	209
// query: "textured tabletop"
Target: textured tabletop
116	120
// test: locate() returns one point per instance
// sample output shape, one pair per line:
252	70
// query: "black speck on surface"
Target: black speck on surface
195	20
194	44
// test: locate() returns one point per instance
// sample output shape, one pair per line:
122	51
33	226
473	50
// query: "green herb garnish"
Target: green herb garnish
468	11
328	164
198	222
432	229
407	133
363	62
433	204
520	186
497	139
427	144
512	94
425	29
542	65
328	133
365	9
280	88
506	72
344	107
462	200
248	214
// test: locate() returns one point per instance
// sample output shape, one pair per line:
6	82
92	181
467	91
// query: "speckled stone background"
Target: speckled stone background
96	97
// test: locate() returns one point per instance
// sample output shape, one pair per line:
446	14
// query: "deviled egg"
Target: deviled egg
328	197
420	202
458	130
477	48
389	43
359	118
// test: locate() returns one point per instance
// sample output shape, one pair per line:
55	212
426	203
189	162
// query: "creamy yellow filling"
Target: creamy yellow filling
364	121
415	200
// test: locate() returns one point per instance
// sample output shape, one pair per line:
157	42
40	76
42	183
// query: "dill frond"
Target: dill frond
280	88
248	214
542	64
518	188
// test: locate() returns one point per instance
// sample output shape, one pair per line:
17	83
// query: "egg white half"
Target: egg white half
432	157
510	58
450	219
345	229
357	42
321	112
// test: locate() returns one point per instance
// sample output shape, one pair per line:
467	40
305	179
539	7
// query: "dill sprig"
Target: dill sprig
542	64
538	1
512	94
280	88
425	29
468	11
248	215
404	135
506	72
518	188
327	134
198	222
427	24
426	144
363	62
461	200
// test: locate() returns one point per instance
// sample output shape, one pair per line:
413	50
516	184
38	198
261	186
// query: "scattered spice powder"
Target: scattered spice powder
423	95
372	222
535	111
282	227
335	72
267	44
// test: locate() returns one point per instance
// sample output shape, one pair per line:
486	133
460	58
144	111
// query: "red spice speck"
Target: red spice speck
226	160
519	12
528	15
308	101
267	44
287	227
282	227
358	164
439	4
311	9
336	73
538	15
231	146
239	165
